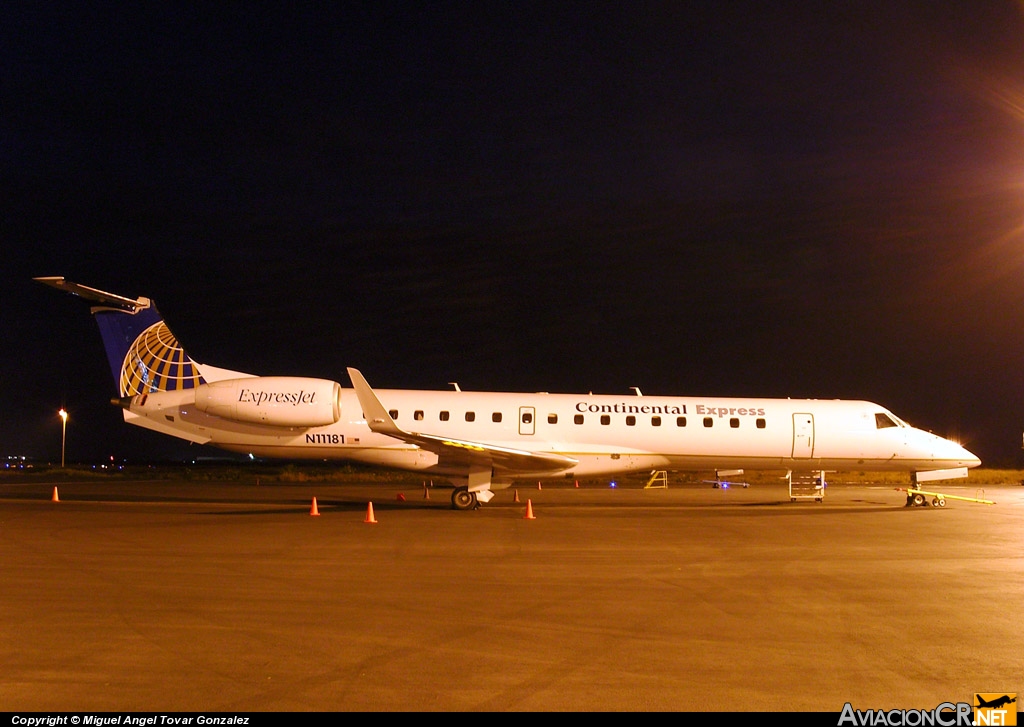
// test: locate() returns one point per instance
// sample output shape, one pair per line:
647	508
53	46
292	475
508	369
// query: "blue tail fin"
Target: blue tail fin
144	355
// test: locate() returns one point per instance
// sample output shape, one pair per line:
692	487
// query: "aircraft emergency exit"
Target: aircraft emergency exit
483	441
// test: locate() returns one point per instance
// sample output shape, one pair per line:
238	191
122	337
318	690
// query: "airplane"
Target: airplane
996	703
486	441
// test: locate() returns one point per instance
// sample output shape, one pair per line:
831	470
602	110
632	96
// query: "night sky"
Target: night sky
736	199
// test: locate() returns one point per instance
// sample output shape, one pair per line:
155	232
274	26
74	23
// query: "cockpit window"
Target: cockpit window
884	421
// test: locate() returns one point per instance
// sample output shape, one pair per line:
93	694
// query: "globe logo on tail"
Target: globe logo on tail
156	362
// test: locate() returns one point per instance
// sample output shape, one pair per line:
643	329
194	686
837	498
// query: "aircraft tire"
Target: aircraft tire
463	499
920	500
939	502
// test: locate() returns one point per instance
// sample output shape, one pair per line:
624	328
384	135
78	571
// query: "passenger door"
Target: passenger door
527	417
803	436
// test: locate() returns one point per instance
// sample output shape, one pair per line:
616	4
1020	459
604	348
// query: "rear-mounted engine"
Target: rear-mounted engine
279	401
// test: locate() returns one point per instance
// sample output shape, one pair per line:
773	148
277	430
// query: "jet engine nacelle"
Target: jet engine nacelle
279	401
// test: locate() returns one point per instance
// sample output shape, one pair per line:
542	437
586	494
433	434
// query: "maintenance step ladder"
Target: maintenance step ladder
806	485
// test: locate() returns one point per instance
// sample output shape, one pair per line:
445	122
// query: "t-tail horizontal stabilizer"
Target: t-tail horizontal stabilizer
143	354
94	295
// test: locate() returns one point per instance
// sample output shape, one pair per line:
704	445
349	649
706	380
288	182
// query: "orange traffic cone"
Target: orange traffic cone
313	510
426	492
55	497
538	484
369	514
529	511
577	484
401	497
516	498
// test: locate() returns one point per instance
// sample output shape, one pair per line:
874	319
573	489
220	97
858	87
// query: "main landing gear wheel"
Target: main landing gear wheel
920	500
463	499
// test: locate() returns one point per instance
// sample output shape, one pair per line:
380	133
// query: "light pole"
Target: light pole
63	434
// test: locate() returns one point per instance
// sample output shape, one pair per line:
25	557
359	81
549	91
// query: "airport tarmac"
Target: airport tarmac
186	596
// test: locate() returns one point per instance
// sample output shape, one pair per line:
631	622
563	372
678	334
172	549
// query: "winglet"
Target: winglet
377	416
461	451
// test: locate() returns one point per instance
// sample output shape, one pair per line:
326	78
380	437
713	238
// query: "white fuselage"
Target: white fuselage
604	434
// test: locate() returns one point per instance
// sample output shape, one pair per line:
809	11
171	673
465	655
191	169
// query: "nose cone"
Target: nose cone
972	460
953	453
960	457
934	452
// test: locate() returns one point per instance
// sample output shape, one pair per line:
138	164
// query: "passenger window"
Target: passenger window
760	423
393	413
552	419
443	416
680	421
578	419
527	417
708	421
418	415
630	421
734	423
496	416
655	421
605	419
470	416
